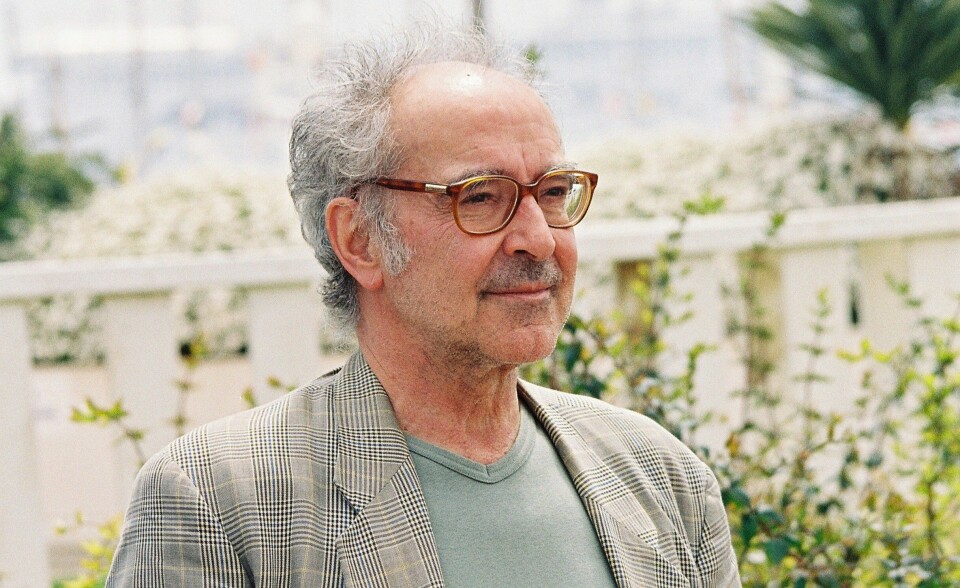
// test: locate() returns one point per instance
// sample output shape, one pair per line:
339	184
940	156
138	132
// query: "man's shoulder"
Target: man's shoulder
286	425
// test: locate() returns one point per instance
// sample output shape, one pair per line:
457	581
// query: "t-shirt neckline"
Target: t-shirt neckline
495	472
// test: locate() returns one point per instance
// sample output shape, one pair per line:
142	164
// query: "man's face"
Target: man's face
491	300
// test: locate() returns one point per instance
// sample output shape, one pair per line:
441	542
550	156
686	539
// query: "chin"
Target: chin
532	347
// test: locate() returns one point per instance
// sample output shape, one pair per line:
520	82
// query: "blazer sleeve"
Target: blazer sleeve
171	537
715	549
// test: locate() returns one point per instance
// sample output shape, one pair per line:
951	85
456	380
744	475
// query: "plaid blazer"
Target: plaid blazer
319	489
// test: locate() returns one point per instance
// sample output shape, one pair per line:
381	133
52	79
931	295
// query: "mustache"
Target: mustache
519	271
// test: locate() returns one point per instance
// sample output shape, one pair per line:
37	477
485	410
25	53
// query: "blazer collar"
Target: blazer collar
389	541
623	516
370	445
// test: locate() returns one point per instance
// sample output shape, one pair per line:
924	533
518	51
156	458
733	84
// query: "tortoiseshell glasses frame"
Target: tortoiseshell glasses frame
486	204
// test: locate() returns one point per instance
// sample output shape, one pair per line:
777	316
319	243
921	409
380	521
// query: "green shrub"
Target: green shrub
865	499
33	183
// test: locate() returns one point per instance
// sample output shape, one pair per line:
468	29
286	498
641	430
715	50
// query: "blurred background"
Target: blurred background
154	85
771	249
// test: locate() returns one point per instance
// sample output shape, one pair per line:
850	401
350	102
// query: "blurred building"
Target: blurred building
154	84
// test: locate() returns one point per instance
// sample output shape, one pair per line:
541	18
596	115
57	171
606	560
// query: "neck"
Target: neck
470	410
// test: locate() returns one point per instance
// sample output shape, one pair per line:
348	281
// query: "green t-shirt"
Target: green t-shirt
516	522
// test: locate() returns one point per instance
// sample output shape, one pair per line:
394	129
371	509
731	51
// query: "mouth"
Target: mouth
522	281
532	292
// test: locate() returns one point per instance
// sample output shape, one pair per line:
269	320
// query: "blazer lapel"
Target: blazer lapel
623	517
388	542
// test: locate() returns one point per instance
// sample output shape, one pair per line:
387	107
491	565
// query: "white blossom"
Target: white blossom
793	165
201	210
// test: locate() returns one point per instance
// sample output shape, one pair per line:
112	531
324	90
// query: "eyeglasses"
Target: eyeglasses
486	204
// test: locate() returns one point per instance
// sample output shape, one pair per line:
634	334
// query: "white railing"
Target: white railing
827	250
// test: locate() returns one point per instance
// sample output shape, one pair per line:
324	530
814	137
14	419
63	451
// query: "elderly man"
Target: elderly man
431	181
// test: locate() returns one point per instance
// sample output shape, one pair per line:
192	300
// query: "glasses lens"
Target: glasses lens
484	204
562	196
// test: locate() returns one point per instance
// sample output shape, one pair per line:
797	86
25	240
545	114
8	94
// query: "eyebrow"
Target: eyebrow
501	172
489	171
570	165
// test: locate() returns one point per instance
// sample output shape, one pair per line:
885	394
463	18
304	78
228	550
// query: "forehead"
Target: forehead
465	115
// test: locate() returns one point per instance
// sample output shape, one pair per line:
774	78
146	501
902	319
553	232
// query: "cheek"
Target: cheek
451	270
566	253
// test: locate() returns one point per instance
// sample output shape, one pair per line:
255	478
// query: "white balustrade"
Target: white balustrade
846	252
882	317
283	335
23	536
141	345
934	273
704	278
806	274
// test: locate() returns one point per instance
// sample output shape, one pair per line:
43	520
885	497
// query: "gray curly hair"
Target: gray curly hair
341	139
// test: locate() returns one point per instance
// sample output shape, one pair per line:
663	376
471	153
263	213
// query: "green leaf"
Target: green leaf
748	528
571	355
770	517
115	412
592	386
776	549
707	204
248	398
777	220
533	54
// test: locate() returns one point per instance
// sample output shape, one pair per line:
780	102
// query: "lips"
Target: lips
522	277
524	289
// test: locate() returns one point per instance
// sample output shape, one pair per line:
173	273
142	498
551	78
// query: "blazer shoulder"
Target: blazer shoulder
613	430
280	427
616	417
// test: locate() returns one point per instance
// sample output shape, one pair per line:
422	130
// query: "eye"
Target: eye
477	197
493	192
560	191
555	187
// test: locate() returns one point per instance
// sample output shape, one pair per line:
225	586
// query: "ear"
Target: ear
352	244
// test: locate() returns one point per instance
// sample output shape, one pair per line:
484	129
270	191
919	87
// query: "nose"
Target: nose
528	232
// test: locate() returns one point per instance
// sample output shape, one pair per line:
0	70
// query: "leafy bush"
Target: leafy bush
866	499
33	183
98	553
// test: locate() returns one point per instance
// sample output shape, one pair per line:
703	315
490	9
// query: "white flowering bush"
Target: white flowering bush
800	164
203	210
